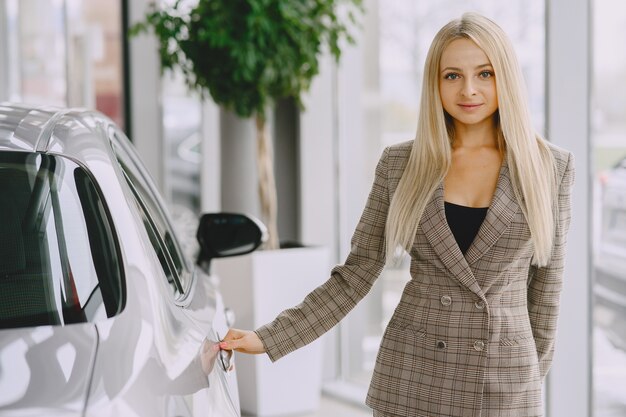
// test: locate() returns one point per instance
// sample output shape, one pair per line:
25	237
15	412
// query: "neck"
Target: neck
473	136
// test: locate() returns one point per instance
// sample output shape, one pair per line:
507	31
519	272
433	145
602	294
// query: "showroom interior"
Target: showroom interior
76	53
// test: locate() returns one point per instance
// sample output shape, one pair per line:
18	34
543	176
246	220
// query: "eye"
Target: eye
451	76
486	74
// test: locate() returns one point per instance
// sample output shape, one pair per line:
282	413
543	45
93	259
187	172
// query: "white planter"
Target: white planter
258	287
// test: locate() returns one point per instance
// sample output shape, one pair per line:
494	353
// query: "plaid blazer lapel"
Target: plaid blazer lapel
499	216
435	227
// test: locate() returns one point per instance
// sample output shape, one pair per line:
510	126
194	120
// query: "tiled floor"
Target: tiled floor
331	407
609	371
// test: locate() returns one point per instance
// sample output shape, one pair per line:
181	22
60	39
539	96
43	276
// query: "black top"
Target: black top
464	223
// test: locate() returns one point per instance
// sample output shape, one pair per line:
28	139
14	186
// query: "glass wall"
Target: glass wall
94	46
36	53
608	135
393	60
182	125
182	137
69	53
63	53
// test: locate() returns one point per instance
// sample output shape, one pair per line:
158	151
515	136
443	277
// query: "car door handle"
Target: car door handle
226	357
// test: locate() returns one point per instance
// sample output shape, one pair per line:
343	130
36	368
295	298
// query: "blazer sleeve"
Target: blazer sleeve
348	283
546	282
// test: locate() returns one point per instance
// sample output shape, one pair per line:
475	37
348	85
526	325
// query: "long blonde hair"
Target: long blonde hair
530	160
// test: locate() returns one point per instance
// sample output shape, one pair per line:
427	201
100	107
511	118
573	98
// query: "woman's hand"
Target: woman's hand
244	341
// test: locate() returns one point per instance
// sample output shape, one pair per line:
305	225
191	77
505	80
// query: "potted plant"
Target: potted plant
246	54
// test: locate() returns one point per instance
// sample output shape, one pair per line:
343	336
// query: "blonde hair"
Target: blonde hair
530	160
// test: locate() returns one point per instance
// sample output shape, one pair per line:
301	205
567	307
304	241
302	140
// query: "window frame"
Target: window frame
133	171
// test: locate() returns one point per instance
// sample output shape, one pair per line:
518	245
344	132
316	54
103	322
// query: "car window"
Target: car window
155	218
158	243
59	258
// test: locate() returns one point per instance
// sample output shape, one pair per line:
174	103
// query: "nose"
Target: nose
468	88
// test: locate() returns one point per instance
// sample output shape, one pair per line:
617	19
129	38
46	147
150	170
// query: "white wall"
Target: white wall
568	73
145	96
210	169
4	73
318	186
318	158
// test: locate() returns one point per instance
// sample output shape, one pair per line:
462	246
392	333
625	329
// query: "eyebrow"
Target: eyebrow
460	70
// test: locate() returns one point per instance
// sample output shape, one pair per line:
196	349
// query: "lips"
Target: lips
470	107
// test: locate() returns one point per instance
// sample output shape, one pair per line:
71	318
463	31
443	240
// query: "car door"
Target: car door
193	293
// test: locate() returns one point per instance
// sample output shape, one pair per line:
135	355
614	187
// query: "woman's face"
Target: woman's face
467	84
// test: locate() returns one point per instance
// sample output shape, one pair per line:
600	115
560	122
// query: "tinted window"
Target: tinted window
155	219
58	253
157	240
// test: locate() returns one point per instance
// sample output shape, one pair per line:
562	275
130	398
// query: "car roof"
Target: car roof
75	133
30	128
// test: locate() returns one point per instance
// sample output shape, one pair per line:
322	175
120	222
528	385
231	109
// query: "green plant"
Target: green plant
248	53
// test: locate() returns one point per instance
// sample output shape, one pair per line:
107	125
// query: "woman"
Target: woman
482	205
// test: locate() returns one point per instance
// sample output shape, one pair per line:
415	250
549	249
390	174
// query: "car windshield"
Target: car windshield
58	251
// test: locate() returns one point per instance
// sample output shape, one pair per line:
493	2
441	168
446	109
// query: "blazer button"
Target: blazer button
479	345
441	344
479	304
446	300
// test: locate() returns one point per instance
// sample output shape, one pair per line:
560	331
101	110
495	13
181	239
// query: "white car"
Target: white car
101	312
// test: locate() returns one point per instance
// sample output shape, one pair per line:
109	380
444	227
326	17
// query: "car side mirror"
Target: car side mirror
228	234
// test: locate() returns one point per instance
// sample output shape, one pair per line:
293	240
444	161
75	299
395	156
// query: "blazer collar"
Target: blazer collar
499	215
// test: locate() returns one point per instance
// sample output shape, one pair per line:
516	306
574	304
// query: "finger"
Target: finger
233	334
230	345
233	340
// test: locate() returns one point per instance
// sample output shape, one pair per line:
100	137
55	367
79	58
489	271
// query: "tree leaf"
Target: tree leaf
248	53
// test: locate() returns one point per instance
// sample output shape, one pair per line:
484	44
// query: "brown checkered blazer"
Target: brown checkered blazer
473	335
